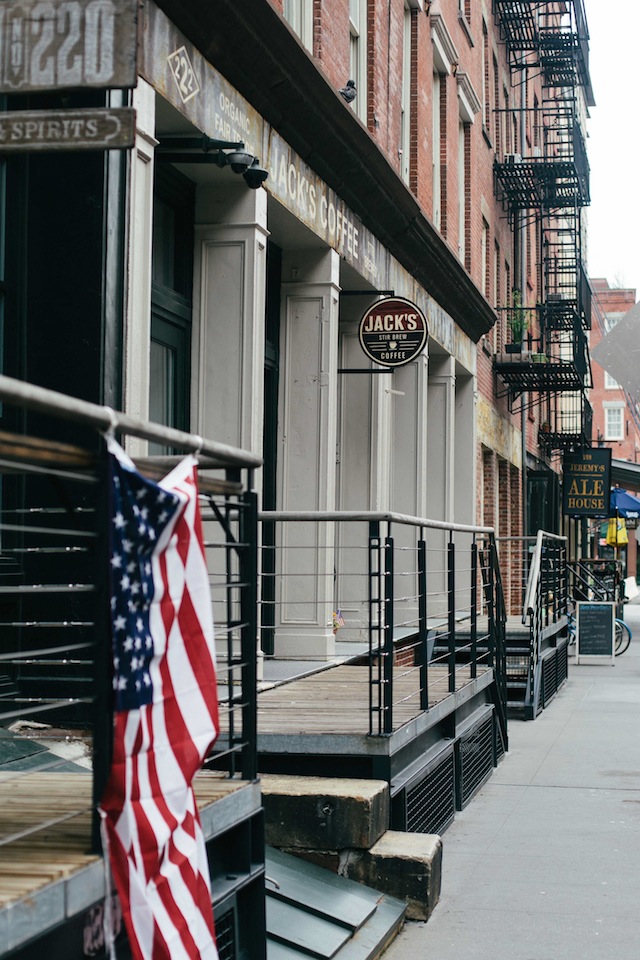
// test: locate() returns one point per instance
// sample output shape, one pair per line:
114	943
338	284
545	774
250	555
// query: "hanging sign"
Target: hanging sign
104	128
67	44
393	331
585	483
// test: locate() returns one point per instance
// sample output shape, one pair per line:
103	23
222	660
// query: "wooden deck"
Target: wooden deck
336	701
45	824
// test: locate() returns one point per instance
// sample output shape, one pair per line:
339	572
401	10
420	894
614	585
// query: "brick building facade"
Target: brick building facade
454	178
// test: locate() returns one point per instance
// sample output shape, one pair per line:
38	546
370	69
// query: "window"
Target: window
358	53
486	79
497	291
496	105
610	383
405	118
171	300
611	319
506	137
299	14
484	257
462	191
614	421
436	152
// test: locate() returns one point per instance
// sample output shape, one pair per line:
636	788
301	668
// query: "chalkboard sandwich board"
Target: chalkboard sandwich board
595	631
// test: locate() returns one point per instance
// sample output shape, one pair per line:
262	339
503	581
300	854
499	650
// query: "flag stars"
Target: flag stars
119	521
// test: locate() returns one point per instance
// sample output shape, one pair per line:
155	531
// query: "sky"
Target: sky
613	143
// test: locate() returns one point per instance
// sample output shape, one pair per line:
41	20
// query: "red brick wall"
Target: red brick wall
482	59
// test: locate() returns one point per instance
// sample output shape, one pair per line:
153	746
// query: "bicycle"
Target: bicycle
623	634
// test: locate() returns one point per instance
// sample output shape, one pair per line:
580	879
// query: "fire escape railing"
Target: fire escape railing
552	184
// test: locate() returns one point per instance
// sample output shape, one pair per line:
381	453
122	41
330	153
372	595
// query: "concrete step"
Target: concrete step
311	912
323	813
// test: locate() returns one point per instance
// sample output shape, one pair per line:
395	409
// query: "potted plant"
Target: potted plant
517	322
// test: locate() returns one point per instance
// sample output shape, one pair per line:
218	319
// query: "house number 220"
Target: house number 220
57	43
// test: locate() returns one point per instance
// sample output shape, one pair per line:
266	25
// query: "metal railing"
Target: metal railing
545	605
596	579
419	601
55	646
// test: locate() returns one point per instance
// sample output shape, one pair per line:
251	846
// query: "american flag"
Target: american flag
166	711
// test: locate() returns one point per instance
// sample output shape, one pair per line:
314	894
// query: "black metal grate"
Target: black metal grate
499	751
549	678
475	752
226	935
430	803
562	664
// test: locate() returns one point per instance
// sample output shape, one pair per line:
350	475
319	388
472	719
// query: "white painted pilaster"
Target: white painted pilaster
137	329
228	315
306	451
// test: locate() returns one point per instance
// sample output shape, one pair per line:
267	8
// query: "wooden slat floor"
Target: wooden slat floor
336	701
54	852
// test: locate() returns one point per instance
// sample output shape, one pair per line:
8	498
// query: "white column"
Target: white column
441	438
137	330
229	315
307	452
441	463
465	470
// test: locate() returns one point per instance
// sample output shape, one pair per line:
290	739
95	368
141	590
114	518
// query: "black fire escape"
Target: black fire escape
546	186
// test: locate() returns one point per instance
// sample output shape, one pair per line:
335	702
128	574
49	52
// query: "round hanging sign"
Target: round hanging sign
393	331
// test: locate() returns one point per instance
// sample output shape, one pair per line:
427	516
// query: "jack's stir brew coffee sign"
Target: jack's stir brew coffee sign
393	331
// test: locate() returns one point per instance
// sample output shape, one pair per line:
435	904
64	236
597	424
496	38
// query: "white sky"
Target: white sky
613	144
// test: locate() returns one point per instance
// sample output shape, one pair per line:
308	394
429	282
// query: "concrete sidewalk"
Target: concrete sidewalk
544	864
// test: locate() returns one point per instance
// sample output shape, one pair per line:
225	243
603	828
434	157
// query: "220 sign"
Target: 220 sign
67	44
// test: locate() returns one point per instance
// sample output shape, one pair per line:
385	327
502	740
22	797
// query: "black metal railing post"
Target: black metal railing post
248	532
474	608
375	621
451	608
102	655
423	633
387	725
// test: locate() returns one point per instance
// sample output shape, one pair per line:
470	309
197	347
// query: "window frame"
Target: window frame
609	409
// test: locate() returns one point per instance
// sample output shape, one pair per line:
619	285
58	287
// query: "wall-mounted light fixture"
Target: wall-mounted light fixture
222	153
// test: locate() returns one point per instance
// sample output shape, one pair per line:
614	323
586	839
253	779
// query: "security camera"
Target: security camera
255	175
239	161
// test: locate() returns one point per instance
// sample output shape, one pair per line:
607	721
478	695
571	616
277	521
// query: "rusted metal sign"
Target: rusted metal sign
67	44
39	130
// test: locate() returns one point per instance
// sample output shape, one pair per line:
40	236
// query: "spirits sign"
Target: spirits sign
67	44
393	331
36	130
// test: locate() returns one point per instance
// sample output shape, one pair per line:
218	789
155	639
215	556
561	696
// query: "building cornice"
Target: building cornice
254	48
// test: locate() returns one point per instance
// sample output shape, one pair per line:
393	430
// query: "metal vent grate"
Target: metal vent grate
549	678
499	751
562	664
430	803
475	752
226	935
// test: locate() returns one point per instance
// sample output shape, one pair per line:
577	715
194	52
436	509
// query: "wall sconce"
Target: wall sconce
427	7
454	68
222	153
